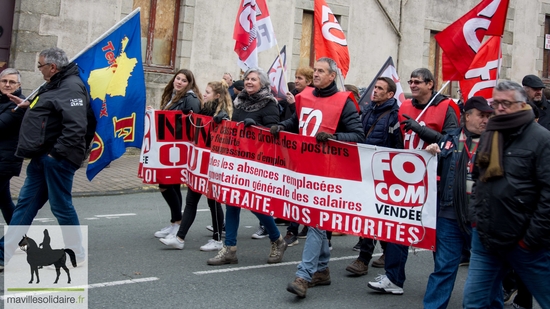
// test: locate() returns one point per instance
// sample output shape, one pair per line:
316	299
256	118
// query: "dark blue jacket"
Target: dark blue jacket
386	132
448	159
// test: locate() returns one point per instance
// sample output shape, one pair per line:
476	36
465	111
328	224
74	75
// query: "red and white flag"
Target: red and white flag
330	40
276	74
387	70
253	32
461	40
482	76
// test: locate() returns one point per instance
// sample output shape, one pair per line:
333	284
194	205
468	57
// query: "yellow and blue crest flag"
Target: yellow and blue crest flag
113	73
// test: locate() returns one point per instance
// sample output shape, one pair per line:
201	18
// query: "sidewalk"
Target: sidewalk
119	178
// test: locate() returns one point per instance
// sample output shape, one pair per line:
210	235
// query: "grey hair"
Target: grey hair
11	71
519	93
55	56
332	66
264	80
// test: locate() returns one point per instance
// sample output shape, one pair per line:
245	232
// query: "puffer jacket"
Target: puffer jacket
386	132
10	122
516	207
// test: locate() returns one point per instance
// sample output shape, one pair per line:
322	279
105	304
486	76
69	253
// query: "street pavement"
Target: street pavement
129	268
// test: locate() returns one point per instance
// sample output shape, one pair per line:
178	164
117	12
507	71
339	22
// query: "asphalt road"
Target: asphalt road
130	268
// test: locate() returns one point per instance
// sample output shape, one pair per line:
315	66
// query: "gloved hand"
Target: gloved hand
275	129
249	122
222	115
411	124
323	136
186	110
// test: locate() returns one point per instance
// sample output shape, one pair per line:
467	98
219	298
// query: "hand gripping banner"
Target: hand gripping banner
363	190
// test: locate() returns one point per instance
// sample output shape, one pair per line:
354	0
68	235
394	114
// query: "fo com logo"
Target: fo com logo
400	179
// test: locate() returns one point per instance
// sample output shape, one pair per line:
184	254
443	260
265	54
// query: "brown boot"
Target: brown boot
227	255
320	278
380	262
278	248
298	287
358	268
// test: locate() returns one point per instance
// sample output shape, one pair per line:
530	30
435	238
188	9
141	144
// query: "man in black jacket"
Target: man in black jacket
510	202
53	136
533	86
326	113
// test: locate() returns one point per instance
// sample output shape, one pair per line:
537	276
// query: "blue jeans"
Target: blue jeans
316	254
232	218
47	179
450	241
484	283
394	265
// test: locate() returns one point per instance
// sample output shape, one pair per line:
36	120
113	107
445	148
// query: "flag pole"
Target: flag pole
499	59
104	35
282	66
433	98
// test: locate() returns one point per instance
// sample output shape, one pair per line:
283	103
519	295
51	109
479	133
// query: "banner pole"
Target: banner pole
431	101
104	35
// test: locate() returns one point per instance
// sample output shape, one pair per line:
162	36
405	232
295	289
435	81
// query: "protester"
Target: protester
381	126
343	125
255	105
64	101
181	93
437	119
217	103
237	88
10	122
510	203
303	79
533	86
456	162
228	78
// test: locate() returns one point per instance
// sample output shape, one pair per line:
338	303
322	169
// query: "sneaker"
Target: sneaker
329	245
384	285
320	278
357	246
303	232
211	229
464	261
508	296
278	248
358	268
380	262
260	233
165	231
173	240
298	287
212	245
227	255
291	239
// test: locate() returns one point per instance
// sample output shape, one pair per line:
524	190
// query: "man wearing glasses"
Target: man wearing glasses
53	135
438	118
510	202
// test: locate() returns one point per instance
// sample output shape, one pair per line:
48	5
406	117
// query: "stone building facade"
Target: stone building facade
198	34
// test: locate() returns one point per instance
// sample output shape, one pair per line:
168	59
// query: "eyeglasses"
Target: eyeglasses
505	104
41	65
416	82
11	82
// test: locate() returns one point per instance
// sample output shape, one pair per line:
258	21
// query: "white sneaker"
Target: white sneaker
384	285
212	245
211	229
164	231
175	229
172	240
260	233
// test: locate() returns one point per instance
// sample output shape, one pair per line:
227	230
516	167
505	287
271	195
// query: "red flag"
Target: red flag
461	40
276	76
482	76
330	40
387	70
